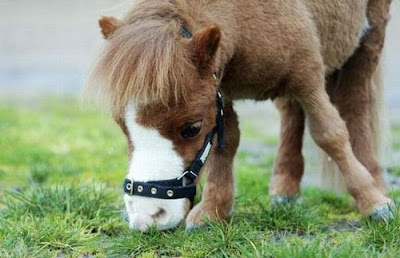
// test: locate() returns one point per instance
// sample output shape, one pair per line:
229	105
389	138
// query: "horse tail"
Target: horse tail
377	120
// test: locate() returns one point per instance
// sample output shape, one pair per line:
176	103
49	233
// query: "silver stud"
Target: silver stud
140	188
170	193
153	190
128	187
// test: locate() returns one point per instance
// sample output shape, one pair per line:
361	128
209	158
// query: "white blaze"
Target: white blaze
154	158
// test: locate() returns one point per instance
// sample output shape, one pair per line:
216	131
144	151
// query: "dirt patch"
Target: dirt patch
345	225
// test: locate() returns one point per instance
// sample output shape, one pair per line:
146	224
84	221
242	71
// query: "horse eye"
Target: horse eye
191	130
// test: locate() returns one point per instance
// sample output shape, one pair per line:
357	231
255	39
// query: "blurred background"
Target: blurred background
46	49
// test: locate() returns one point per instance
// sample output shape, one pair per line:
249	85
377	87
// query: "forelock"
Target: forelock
145	60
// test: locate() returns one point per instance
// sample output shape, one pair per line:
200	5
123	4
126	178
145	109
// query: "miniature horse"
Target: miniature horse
162	70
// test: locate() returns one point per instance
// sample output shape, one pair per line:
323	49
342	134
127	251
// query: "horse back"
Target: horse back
340	25
277	37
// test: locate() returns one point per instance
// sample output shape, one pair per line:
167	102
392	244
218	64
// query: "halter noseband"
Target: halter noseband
184	186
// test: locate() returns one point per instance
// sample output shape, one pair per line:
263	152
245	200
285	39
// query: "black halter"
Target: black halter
184	186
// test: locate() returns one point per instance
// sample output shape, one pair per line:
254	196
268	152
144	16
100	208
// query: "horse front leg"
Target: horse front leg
217	197
289	163
330	133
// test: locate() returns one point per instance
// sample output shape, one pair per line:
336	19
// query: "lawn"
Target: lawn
61	169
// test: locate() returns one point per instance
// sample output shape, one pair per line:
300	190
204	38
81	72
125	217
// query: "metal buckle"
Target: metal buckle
215	76
129	187
186	173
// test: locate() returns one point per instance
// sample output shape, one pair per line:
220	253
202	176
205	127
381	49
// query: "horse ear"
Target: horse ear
108	25
205	44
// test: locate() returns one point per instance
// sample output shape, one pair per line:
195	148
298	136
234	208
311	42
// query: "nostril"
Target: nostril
159	214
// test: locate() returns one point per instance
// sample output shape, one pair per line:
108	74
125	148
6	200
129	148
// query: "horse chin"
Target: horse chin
144	213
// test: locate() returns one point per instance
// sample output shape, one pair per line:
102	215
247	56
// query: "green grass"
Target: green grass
395	130
61	170
395	171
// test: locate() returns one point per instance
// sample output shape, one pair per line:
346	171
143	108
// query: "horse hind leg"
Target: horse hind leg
354	102
355	91
289	163
330	133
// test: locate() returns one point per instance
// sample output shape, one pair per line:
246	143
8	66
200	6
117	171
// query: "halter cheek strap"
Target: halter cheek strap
184	186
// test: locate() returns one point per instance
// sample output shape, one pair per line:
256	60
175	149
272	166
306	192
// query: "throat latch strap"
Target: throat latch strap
220	121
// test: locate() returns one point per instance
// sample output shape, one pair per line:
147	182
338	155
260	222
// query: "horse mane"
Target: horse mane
143	61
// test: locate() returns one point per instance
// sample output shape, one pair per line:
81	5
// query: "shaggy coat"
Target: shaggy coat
259	50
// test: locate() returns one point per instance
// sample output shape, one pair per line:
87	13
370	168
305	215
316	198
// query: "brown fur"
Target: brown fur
217	198
289	164
170	121
109	25
140	58
353	93
260	49
363	114
350	90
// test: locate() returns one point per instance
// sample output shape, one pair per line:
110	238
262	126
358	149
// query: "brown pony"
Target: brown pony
165	61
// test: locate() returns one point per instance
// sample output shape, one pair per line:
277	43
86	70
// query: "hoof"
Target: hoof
384	212
192	227
279	200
